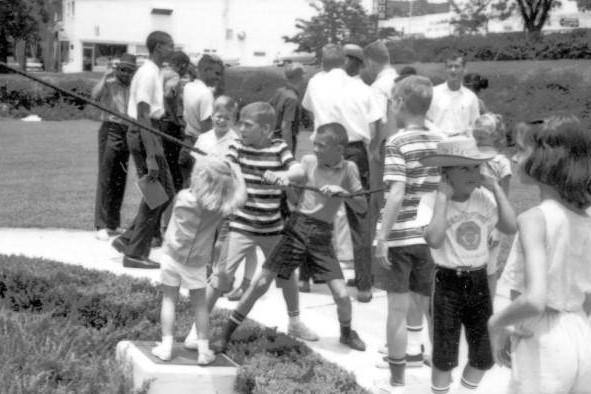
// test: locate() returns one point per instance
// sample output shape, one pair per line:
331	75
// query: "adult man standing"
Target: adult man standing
112	91
333	96
454	108
353	60
146	104
198	97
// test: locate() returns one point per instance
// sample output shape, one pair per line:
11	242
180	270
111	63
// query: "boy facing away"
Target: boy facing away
466	209
262	161
405	264
308	233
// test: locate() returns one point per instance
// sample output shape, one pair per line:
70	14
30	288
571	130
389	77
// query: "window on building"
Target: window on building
260	53
161	11
229	34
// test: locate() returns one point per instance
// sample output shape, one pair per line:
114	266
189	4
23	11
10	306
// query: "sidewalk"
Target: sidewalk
317	308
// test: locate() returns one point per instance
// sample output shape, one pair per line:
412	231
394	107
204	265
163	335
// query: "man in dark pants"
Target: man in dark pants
112	91
146	104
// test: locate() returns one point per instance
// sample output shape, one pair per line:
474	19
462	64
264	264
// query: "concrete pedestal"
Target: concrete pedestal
181	375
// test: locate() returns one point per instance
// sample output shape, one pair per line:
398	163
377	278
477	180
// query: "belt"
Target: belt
360	142
462	270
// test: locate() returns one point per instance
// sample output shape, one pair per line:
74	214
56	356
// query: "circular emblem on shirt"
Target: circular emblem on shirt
468	235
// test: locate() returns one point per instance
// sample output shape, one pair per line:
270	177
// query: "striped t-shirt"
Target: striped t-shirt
261	213
403	152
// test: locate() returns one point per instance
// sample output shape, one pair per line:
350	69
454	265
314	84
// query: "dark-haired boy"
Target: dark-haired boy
307	235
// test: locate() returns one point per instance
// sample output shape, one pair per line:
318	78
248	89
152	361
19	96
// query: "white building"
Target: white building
250	32
564	17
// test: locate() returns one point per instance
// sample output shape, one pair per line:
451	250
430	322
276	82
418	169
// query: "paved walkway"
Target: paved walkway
318	309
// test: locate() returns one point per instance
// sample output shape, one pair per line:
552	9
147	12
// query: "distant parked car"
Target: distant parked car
303	58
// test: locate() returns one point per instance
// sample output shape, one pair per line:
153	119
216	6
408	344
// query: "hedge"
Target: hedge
494	46
86	312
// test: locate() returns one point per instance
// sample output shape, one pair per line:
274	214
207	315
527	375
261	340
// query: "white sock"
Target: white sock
168	341
466	387
415	339
294	319
203	345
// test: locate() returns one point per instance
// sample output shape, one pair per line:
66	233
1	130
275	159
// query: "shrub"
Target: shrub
494	46
87	312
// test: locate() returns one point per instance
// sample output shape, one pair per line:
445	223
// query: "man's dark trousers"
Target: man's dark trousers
359	224
172	151
112	174
146	224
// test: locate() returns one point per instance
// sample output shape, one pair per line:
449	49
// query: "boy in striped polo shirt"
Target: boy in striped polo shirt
264	162
405	264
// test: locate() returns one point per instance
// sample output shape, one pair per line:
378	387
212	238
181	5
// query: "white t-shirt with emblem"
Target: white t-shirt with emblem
469	225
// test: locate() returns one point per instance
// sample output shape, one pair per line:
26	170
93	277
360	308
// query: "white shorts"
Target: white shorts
191	277
557	359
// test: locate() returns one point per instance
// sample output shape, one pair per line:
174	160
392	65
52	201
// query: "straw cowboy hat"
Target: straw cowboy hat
457	152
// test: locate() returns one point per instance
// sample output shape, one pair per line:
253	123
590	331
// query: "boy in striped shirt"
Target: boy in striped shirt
405	264
264	162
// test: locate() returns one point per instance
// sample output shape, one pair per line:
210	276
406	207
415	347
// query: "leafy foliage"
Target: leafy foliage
59	325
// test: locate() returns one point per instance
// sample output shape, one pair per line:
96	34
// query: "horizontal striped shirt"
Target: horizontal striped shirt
261	213
403	152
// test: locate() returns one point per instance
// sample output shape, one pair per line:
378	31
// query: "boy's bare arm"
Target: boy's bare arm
151	145
99	88
391	209
507	223
294	174
435	230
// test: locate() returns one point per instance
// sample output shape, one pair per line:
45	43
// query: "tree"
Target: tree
473	16
535	13
336	22
19	21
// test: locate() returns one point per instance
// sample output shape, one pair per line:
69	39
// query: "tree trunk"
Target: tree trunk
20	54
3	45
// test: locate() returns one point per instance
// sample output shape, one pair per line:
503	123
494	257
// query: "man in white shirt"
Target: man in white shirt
454	108
146	104
333	96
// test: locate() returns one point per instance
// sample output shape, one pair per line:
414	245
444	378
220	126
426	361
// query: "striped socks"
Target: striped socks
467	386
415	339
440	390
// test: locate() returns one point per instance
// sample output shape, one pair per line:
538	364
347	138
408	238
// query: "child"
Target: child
489	133
217	141
217	188
405	265
308	233
549	271
466	208
258	223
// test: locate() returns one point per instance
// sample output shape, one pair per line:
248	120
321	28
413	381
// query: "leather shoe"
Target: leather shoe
364	296
134	262
351	282
119	245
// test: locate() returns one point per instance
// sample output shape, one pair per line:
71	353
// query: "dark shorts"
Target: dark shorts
411	270
305	239
461	298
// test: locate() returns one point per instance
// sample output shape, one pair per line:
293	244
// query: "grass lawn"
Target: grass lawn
48	175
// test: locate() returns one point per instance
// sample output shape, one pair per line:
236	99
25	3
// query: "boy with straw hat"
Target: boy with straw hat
465	209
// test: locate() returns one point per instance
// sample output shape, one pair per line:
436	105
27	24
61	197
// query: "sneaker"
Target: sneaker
304	286
364	296
235	295
300	331
351	282
135	262
191	342
102	234
205	358
164	353
353	341
387	386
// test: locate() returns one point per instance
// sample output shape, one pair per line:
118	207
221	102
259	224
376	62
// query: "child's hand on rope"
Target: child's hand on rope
333	190
153	169
275	179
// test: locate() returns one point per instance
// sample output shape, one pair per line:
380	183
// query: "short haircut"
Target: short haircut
332	57
178	58
561	148
263	113
293	71
209	60
452	56
416	91
225	102
475	81
377	51
337	131
155	38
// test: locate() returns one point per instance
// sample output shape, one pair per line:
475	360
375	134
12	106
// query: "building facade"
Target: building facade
249	32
